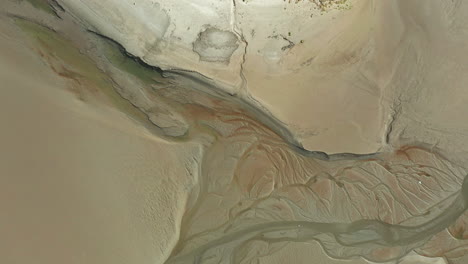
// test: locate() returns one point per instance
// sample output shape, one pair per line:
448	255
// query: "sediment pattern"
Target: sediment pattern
257	188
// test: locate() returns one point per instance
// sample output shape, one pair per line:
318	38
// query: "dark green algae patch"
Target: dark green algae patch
76	65
126	62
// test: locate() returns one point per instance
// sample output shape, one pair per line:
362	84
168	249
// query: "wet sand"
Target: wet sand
80	183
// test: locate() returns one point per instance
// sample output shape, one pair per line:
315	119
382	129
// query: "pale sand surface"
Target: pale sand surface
81	184
338	79
325	87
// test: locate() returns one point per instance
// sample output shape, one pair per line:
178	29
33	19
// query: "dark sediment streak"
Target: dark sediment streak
204	84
